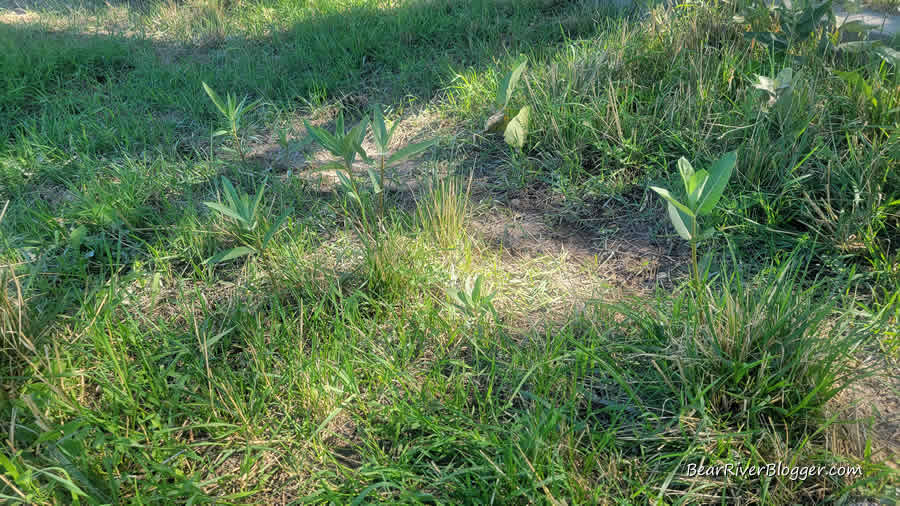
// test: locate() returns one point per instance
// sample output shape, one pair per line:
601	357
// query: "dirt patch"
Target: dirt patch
18	15
619	249
872	406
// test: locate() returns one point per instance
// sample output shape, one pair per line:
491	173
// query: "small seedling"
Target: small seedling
778	89
382	137
703	190
243	209
345	145
471	301
514	127
234	112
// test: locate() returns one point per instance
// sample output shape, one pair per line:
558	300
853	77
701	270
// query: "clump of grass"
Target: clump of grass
214	19
13	314
13	317
443	210
752	352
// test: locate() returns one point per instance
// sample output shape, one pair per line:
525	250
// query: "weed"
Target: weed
357	375
233	112
244	210
385	159
514	127
797	21
703	190
755	351
443	210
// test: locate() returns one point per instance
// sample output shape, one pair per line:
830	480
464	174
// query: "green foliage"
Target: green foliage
508	84
148	377
244	211
471	300
754	351
880	102
346	145
798	21
383	158
517	129
703	190
778	89
233	112
514	127
443	210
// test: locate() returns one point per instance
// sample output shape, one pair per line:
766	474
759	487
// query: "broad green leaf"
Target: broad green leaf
784	79
687	171
672	200
77	237
345	181
379	130
719	174
856	46
351	143
697	184
219	133
356	197
66	482
517	129
374	179
359	131
508	85
273	229
856	82
390	134
677	220
210	342
706	234
250	107
217	101
409	150
234	200
325	139
328	166
229	254
857	26
889	55
339	124
259	195
225	210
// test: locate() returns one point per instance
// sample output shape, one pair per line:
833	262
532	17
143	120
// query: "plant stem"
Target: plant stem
381	197
696	269
237	141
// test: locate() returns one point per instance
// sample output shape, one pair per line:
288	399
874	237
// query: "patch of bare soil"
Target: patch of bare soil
17	15
620	249
872	406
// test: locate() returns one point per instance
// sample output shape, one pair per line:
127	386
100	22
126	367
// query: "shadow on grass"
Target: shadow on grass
134	92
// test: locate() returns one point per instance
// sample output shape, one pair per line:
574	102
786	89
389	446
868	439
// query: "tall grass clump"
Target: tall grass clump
750	352
13	315
443	210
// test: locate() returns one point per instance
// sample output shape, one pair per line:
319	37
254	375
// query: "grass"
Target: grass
432	360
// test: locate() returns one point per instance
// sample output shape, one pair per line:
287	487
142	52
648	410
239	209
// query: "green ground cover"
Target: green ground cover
471	322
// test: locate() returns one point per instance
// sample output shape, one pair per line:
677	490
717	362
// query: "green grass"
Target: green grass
340	363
